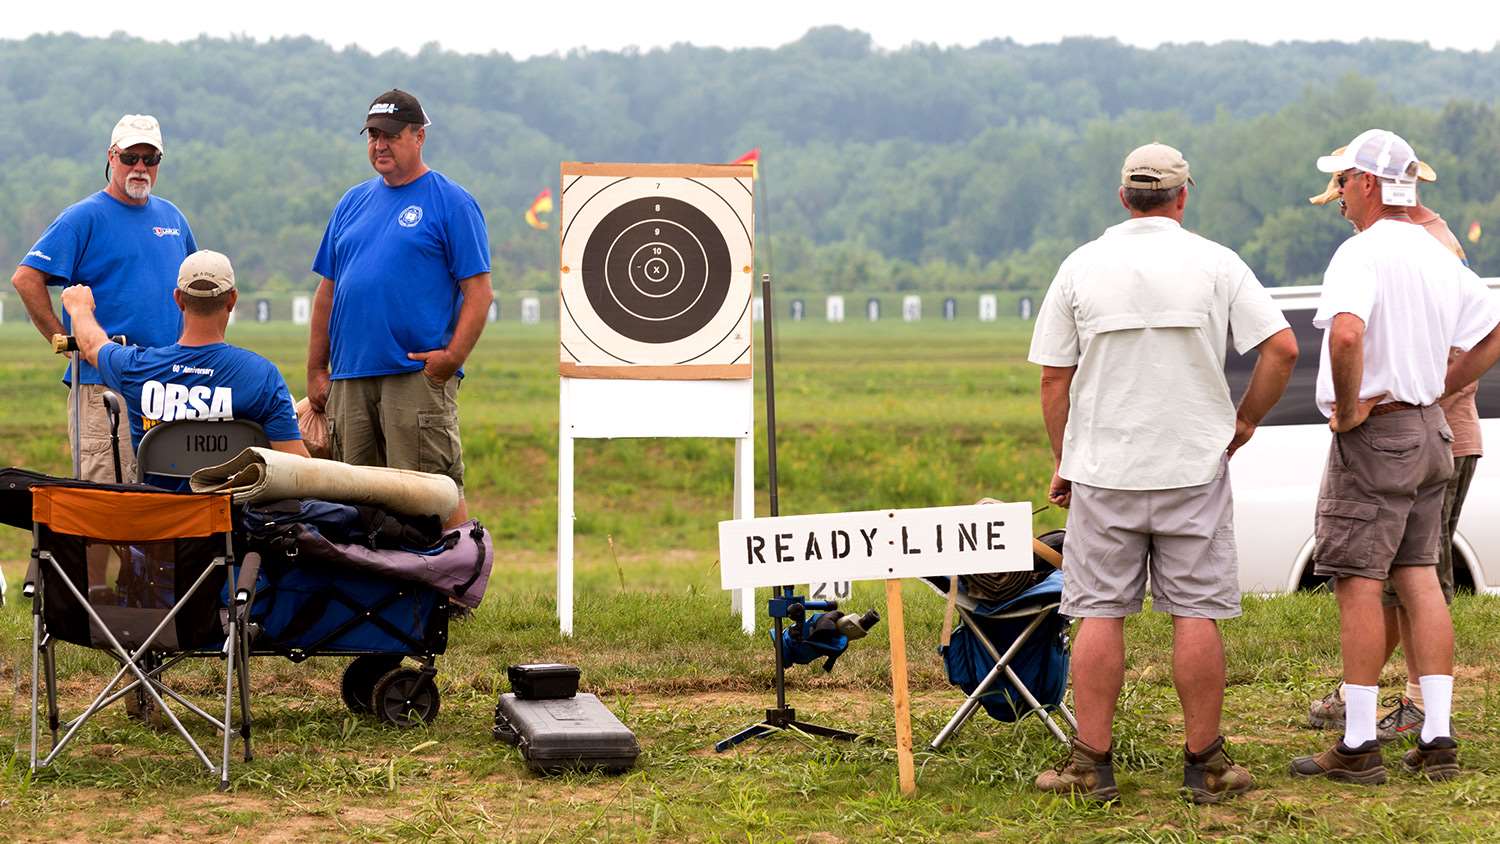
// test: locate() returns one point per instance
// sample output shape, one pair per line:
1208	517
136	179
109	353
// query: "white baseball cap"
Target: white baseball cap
136	129
1380	152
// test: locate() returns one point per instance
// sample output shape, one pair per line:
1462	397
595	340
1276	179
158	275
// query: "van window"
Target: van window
1298	406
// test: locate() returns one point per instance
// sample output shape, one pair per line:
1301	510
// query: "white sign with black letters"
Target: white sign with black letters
874	545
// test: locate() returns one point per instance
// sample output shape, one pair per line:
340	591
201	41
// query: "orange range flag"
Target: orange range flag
751	158
541	205
1475	232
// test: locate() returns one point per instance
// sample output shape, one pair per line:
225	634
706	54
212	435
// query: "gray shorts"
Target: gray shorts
1381	503
1183	538
1453	504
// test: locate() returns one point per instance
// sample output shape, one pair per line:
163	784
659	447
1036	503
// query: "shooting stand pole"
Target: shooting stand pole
782	597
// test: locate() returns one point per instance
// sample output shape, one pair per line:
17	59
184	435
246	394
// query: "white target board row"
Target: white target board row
834	309
656	264
875	545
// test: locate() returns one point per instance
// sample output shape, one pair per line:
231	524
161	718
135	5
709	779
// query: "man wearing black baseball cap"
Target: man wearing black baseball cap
405	266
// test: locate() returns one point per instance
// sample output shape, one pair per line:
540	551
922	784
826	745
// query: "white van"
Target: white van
1276	475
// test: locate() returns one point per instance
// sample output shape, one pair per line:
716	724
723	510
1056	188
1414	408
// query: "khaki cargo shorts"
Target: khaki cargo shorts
1381	503
404	421
1181	540
98	459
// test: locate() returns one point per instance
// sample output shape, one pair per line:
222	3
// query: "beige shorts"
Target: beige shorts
1381	503
98	460
1181	540
403	421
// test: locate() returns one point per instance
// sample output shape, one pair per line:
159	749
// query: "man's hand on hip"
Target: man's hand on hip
1243	431
440	364
1341	422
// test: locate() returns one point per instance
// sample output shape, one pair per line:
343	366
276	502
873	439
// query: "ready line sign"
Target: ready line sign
875	545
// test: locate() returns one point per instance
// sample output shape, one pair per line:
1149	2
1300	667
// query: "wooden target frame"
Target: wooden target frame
655	308
656	270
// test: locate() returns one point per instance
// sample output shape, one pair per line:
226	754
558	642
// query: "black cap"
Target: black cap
393	111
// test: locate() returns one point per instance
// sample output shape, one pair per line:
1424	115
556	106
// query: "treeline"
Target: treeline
920	168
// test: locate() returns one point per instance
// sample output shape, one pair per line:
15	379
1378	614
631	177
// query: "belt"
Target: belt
1393	407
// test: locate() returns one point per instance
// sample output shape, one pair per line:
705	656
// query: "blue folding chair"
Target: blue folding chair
1030	676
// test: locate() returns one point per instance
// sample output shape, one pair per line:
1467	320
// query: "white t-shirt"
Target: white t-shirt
1144	312
1416	299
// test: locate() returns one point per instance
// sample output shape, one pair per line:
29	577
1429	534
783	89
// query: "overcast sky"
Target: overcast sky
531	27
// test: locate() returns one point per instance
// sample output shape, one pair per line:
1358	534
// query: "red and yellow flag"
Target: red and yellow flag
1475	232
751	158
541	205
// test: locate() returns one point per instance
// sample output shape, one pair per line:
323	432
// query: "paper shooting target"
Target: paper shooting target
656	271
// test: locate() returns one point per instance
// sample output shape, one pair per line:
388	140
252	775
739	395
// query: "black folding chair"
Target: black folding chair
179	448
131	572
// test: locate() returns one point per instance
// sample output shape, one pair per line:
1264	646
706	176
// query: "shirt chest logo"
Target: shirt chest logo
409	216
164	231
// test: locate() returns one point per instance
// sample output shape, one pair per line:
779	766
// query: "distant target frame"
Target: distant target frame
656	270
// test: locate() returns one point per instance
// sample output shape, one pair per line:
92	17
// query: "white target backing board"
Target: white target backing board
301	310
531	310
835	309
988	308
911	308
656	266
758	309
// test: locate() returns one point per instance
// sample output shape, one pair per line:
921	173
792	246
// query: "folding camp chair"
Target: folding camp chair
1031	631
132	573
181	447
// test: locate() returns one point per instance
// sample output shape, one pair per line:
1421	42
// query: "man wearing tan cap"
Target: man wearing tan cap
1406	718
125	244
1131	339
200	376
1394	304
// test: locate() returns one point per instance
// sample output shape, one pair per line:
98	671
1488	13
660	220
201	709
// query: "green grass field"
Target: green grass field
887	415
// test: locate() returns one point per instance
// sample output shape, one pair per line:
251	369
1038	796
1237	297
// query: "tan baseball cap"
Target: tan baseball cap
1425	173
1155	167
205	274
136	129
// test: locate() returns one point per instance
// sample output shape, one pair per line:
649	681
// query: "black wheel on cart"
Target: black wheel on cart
405	698
360	677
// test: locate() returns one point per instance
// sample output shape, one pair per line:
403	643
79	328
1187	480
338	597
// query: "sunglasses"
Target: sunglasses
129	159
1346	176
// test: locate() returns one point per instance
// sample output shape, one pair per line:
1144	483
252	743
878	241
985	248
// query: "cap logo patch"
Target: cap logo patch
410	216
383	108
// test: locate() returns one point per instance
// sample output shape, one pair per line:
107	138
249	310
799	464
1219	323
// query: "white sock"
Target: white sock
1359	714
1437	693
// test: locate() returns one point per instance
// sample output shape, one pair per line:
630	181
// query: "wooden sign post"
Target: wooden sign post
878	545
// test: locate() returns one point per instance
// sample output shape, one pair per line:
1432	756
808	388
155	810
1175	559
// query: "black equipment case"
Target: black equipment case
566	734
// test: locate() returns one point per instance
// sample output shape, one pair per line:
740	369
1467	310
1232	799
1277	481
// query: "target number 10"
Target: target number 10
828	591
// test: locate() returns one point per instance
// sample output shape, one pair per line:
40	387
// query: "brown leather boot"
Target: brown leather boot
1437	761
1085	772
1210	776
1362	764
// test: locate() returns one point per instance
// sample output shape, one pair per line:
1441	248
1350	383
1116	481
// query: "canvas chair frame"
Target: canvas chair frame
142	665
967	609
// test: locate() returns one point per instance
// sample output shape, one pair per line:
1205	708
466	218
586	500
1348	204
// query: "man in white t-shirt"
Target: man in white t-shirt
1394	301
1131	339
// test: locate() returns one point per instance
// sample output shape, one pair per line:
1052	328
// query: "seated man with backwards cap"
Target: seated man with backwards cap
200	376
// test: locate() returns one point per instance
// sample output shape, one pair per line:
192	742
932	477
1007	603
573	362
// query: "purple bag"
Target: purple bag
458	568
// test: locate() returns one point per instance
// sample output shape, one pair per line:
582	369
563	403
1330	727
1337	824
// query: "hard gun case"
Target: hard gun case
566	734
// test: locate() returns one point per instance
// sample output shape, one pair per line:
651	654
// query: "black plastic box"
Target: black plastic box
543	681
572	734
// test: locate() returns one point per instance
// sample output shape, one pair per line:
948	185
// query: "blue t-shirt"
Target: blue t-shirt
129	256
396	256
217	381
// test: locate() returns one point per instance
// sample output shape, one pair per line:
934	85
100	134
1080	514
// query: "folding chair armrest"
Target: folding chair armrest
245	584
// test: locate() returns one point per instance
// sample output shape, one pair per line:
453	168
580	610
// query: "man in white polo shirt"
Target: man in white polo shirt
1394	302
1131	339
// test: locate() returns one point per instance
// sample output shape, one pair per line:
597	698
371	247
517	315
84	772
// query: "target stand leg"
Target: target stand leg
564	521
742	601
